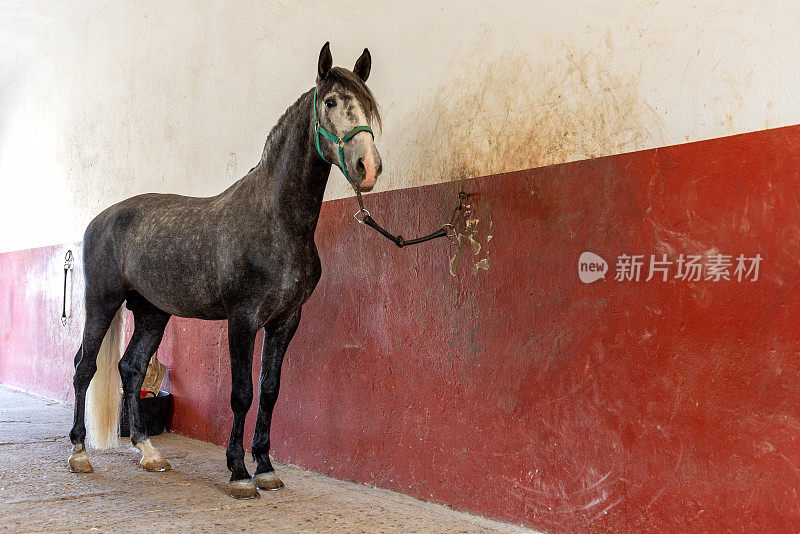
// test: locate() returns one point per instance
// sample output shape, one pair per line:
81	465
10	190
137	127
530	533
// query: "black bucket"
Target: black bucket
155	412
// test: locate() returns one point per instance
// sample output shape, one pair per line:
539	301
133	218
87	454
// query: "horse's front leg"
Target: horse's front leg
241	340
276	339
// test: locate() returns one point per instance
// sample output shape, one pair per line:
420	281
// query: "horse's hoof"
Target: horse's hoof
243	489
155	465
268	481
151	458
79	462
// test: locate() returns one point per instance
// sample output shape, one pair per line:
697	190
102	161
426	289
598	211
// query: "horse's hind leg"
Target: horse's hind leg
98	319
149	324
79	460
276	340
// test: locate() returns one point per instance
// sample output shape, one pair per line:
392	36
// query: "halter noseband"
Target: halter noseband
338	141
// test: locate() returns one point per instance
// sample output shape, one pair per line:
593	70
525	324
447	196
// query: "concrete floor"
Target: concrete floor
39	494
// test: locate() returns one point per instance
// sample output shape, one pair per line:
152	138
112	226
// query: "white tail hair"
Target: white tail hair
103	396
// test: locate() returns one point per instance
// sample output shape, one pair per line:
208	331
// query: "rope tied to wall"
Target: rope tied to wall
447	230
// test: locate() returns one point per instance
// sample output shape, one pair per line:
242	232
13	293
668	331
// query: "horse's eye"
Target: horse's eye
331	103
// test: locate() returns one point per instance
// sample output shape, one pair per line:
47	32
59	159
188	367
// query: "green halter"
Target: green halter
338	141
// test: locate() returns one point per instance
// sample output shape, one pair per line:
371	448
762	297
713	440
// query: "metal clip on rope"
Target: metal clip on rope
447	230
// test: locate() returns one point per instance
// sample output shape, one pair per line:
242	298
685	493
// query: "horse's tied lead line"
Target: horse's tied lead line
447	230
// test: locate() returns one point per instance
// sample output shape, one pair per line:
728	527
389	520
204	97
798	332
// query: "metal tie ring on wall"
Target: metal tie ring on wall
68	264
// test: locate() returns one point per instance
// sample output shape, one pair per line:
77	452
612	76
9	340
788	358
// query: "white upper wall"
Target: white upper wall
108	100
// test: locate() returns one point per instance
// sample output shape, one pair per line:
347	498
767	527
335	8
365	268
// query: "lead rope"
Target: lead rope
447	230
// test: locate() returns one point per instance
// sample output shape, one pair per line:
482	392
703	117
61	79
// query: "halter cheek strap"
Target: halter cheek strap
338	141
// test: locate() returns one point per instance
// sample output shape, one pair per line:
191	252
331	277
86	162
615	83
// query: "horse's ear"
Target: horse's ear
325	61
363	66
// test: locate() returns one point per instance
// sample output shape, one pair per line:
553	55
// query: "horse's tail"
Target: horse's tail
103	395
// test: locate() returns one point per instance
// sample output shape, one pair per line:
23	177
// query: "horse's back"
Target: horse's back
142	219
160	245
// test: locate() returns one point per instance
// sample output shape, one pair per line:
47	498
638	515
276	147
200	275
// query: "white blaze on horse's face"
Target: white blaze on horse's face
339	112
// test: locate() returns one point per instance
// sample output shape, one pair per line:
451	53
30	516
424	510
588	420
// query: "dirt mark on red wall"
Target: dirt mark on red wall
472	242
518	113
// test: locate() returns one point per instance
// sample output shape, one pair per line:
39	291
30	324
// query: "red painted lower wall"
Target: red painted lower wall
519	392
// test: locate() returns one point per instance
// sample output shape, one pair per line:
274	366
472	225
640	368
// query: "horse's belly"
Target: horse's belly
179	292
195	309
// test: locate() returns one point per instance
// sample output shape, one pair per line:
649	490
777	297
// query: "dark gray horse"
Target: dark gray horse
246	255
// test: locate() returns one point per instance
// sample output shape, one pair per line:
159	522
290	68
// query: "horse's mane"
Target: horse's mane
353	84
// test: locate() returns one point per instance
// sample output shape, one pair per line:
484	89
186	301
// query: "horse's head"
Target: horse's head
345	111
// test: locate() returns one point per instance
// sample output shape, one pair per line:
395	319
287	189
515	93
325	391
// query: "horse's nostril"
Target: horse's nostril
360	166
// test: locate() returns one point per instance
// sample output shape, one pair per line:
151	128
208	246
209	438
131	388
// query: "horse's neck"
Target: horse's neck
290	179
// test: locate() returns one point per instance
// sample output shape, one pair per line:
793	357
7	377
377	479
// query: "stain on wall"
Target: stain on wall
519	112
471	244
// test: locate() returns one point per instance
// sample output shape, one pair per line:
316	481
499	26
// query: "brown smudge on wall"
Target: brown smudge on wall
482	264
516	113
469	241
466	242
